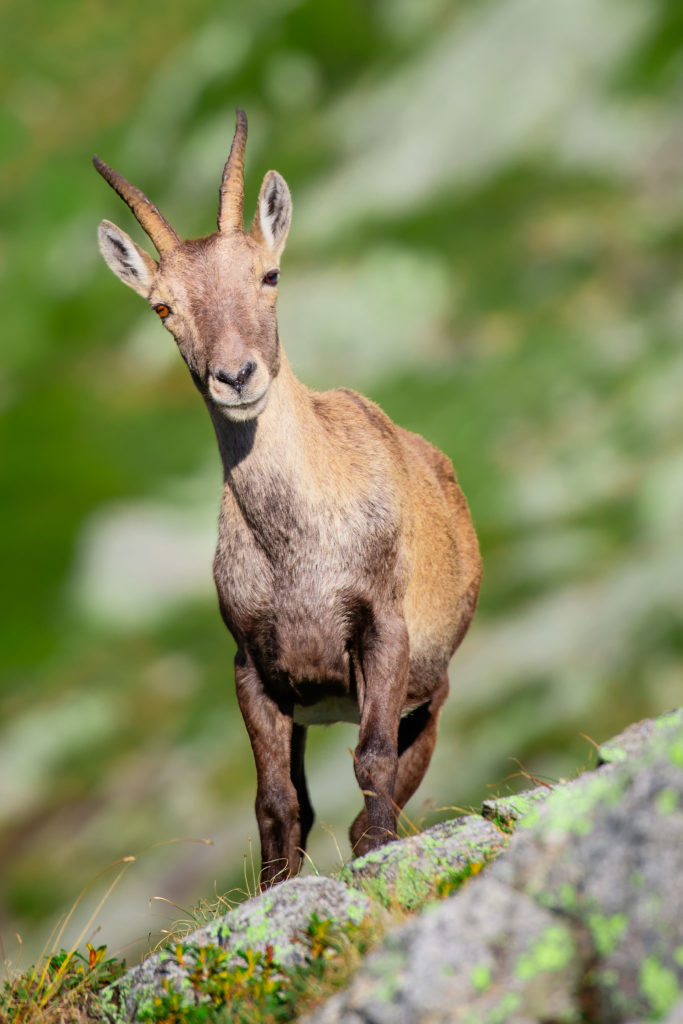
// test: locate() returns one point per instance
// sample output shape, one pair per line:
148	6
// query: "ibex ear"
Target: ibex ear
127	260
273	214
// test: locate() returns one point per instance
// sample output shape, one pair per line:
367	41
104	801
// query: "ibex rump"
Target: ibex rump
347	567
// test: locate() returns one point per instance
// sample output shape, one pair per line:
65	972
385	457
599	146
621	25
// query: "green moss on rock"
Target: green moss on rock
659	985
569	809
667	801
505	811
554	950
481	977
432	864
607	931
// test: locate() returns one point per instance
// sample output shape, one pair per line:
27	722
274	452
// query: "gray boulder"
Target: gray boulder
277	918
567	905
407	873
477	957
638	738
580	919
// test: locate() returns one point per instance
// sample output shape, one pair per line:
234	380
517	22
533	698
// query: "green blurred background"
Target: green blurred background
487	240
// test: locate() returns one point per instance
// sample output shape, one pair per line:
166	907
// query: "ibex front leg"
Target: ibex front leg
277	803
382	693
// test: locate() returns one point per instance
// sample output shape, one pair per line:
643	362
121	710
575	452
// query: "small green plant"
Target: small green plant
252	987
503	823
64	990
453	881
63	987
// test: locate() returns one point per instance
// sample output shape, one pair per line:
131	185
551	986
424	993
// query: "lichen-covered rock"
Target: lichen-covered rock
676	1015
637	738
408	872
580	919
278	918
506	810
479	957
606	853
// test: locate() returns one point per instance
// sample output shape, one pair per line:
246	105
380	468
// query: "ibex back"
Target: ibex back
347	567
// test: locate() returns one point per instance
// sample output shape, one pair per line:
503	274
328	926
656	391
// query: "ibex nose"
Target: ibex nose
240	379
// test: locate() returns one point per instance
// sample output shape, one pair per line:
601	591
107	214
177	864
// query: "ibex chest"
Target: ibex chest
295	588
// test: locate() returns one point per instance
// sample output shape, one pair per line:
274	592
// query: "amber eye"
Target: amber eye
161	310
271	277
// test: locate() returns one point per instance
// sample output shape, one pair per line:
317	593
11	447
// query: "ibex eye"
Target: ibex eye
271	277
161	310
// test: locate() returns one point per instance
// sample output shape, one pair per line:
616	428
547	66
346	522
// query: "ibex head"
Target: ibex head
216	295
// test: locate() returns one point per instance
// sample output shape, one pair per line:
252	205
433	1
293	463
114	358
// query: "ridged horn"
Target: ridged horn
148	216
231	192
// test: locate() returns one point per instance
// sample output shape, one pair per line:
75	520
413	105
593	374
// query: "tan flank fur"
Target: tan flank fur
347	567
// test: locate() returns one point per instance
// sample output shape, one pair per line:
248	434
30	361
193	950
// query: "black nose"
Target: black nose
240	379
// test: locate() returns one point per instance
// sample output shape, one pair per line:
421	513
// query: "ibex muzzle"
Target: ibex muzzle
347	567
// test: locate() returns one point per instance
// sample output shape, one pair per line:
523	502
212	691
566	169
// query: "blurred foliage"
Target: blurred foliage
530	284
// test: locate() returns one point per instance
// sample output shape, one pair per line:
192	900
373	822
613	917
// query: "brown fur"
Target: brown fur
347	567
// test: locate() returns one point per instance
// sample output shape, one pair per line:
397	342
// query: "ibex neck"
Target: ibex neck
278	440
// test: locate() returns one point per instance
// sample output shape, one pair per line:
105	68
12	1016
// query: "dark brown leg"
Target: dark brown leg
382	693
277	803
306	814
416	740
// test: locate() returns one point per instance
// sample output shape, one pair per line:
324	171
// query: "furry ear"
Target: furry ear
273	214
126	259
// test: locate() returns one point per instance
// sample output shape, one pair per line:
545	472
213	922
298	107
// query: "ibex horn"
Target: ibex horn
231	192
148	216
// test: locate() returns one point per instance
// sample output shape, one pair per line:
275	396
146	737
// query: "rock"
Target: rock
676	1015
606	853
577	915
636	739
506	810
408	872
477	957
580	919
278	918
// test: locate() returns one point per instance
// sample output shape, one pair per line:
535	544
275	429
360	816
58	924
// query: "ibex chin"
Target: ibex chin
347	567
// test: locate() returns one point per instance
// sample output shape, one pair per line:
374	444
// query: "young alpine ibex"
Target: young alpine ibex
347	567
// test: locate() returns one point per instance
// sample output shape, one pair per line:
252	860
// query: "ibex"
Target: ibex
347	566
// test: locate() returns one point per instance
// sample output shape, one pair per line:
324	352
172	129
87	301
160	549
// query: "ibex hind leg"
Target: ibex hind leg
298	777
416	740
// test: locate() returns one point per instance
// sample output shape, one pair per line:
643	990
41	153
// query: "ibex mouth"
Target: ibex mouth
238	408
